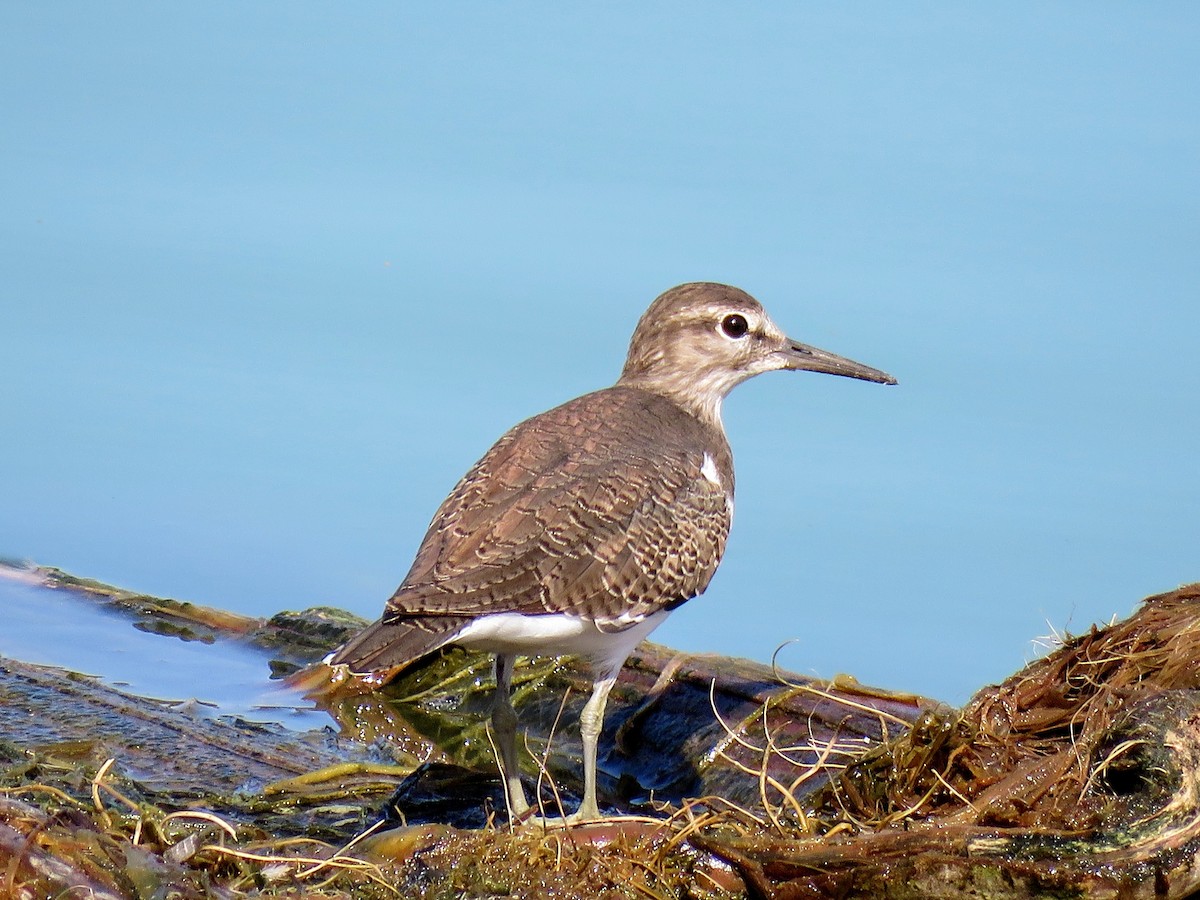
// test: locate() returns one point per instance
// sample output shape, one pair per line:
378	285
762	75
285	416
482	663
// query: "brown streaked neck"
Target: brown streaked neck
699	394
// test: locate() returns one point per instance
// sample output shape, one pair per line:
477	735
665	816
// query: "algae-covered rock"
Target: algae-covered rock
1077	777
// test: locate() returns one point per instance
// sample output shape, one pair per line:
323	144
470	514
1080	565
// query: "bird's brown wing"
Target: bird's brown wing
598	507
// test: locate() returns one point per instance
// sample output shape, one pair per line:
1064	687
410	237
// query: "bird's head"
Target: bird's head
698	341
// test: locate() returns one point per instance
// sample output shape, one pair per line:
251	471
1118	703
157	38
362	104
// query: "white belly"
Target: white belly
554	634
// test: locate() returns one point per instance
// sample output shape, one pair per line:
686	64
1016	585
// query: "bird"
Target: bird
584	527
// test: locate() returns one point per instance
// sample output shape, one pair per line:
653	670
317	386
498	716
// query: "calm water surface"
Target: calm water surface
55	628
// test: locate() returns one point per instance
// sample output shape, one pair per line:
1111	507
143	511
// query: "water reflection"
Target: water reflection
56	628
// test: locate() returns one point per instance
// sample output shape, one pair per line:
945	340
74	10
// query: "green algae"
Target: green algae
1077	777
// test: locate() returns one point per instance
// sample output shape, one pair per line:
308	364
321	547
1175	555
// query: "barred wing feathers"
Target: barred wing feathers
598	507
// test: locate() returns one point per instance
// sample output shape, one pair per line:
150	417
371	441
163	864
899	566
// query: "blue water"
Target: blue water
57	628
274	275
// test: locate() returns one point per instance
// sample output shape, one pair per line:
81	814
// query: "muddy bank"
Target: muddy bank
1078	776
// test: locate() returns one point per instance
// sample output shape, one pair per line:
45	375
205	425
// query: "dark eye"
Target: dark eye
735	326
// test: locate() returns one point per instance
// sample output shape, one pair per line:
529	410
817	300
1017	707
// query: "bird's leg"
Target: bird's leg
591	720
504	725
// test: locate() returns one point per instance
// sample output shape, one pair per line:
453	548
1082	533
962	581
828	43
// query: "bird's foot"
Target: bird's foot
585	814
553	823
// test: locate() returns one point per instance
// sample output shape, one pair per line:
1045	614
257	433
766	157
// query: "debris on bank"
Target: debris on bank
1077	777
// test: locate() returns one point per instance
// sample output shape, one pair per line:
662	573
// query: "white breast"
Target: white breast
557	633
709	470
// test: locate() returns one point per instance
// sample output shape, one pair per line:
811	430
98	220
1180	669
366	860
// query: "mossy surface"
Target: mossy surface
1077	777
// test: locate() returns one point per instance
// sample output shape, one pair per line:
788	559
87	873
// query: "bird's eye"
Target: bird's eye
735	326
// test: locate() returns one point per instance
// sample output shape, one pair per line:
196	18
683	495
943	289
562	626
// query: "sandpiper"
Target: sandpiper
584	527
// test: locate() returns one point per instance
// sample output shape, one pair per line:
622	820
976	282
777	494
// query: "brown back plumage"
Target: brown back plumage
598	507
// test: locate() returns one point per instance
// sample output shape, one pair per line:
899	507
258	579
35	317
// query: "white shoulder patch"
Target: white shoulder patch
709	470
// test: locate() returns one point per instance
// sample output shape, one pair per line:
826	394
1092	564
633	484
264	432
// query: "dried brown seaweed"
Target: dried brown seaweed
1077	777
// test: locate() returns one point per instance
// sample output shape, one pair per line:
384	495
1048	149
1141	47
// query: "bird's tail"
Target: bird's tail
377	654
391	646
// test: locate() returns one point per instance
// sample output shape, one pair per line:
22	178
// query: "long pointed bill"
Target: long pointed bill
811	359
